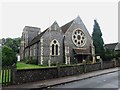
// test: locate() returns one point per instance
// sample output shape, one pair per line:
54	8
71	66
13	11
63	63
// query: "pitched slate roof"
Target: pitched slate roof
37	38
32	27
110	46
117	48
81	51
66	26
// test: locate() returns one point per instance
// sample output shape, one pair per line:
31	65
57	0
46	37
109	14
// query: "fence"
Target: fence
6	75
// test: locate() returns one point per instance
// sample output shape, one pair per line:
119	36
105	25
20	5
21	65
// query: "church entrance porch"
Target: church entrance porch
80	57
81	54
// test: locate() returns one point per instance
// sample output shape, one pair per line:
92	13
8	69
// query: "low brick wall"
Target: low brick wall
31	75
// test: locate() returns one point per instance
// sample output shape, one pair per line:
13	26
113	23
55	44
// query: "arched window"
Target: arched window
54	48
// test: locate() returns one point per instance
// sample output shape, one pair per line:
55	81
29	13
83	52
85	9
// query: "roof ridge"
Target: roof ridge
112	43
32	27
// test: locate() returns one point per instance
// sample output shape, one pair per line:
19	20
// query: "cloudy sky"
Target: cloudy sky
17	15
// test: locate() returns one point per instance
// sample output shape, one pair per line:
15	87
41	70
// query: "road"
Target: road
103	81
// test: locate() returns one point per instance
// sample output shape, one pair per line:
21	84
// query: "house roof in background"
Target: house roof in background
110	46
117	48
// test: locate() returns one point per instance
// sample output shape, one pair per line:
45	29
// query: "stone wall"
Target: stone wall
70	70
107	64
118	62
93	67
31	75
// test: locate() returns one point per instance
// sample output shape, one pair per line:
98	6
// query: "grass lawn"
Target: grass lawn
22	65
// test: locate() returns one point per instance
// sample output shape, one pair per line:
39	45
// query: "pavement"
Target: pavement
62	80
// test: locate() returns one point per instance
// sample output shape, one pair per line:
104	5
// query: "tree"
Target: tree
9	49
98	40
0	56
3	41
14	44
8	56
110	54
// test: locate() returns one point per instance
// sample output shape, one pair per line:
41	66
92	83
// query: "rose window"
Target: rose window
78	38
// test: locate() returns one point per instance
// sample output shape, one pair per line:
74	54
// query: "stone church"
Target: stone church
70	43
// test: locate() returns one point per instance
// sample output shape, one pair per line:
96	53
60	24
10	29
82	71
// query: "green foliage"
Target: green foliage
117	54
8	56
0	56
14	44
110	54
98	40
9	49
31	60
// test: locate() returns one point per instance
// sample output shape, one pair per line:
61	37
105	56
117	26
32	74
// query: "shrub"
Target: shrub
8	56
31	60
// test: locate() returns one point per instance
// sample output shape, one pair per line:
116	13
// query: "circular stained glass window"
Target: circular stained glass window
78	38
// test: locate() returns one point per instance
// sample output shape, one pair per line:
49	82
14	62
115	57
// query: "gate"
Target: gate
6	75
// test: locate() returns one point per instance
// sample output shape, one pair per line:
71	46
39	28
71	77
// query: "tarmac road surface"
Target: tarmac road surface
103	81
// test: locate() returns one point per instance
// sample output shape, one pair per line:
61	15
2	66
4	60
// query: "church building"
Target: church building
68	44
